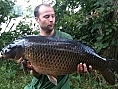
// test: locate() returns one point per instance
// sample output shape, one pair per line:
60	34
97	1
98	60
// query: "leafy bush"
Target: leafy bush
93	24
5	10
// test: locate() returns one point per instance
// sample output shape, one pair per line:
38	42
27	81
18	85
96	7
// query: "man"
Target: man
45	17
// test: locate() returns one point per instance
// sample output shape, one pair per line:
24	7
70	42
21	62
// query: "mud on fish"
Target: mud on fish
54	56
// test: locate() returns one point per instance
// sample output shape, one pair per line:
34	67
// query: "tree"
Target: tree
112	50
5	10
95	23
5	13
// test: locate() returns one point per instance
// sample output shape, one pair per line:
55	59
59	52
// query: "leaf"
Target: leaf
99	38
105	45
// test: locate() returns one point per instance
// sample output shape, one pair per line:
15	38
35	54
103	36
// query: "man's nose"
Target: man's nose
51	19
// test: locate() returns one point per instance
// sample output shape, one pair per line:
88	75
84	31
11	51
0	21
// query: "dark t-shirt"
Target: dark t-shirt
43	82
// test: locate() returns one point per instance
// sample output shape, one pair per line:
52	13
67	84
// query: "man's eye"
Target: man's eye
46	16
53	16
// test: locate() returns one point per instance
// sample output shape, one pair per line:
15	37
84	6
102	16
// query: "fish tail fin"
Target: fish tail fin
109	76
113	65
108	73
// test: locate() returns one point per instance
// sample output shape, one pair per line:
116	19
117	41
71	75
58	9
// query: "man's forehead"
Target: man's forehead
46	10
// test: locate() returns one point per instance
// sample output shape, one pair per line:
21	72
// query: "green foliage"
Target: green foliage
11	71
92	24
12	76
90	81
98	28
5	9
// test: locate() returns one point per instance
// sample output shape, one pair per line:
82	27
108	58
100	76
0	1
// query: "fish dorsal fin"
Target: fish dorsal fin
52	79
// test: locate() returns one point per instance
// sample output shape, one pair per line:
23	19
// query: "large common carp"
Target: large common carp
56	56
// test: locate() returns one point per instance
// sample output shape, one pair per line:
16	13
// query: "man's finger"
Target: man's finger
90	68
80	68
84	68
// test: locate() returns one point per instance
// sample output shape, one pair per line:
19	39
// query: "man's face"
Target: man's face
46	18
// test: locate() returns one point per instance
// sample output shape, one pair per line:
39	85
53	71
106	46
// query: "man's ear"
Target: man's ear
37	19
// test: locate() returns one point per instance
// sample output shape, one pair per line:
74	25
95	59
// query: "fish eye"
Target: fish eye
9	46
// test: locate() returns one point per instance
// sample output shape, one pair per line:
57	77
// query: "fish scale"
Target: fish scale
55	56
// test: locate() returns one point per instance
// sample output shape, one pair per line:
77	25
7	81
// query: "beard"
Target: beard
47	29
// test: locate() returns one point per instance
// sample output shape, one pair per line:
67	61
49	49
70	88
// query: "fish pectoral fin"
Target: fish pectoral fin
52	79
24	66
19	53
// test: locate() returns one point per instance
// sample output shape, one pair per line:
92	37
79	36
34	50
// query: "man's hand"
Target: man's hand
82	68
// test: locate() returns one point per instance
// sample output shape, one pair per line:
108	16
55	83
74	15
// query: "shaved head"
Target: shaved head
37	9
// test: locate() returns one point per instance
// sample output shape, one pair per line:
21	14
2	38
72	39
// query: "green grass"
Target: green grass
91	81
13	82
12	77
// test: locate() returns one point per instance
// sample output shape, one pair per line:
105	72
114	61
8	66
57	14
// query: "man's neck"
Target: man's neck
44	33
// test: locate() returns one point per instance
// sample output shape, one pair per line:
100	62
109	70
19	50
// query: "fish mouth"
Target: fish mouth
0	55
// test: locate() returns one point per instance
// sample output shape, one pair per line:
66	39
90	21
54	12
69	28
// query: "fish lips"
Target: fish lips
1	55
